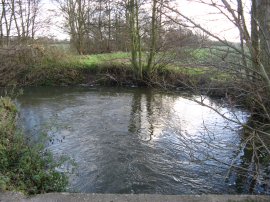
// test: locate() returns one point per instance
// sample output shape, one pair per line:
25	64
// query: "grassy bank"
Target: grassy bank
22	167
51	67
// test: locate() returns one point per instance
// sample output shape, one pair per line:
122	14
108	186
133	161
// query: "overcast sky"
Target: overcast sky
202	14
210	17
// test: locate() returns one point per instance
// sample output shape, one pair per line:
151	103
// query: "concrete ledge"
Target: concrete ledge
70	197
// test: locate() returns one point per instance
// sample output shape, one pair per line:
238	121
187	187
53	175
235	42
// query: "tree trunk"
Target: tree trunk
109	28
139	45
254	35
263	6
153	37
242	42
13	13
132	27
1	25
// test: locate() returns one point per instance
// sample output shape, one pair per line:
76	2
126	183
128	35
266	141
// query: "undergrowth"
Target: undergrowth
23	167
50	66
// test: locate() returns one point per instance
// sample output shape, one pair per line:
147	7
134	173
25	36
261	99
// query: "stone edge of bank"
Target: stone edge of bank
70	197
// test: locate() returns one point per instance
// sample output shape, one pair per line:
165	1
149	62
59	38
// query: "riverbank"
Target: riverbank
50	67
66	197
24	167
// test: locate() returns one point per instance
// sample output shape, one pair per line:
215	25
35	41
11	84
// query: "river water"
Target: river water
137	140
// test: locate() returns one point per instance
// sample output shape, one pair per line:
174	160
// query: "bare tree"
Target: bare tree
75	14
19	20
6	20
251	86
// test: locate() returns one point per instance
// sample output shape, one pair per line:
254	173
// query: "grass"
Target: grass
23	167
98	59
189	70
201	54
112	61
54	67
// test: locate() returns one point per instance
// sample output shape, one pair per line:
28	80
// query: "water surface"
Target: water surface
137	140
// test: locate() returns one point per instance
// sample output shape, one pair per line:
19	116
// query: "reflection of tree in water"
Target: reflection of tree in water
135	116
249	170
253	171
150	115
147	110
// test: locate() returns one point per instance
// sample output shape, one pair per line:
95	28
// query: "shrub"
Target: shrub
37	65
23	167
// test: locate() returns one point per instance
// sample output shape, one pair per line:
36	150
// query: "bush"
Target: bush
23	167
37	65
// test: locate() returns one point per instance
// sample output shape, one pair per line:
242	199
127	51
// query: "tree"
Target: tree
261	14
75	13
250	87
134	26
19	21
153	43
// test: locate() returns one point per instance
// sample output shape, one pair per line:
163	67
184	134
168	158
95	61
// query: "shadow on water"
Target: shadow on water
140	140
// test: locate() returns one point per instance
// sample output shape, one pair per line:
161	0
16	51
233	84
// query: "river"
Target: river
131	140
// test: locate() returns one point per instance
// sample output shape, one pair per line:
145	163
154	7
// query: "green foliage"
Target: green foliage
23	167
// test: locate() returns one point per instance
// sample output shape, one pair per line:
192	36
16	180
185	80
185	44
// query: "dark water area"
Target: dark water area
138	140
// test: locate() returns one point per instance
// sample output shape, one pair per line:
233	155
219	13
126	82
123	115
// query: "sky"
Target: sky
211	19
47	8
202	14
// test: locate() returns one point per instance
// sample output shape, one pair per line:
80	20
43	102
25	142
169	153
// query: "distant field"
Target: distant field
96	59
